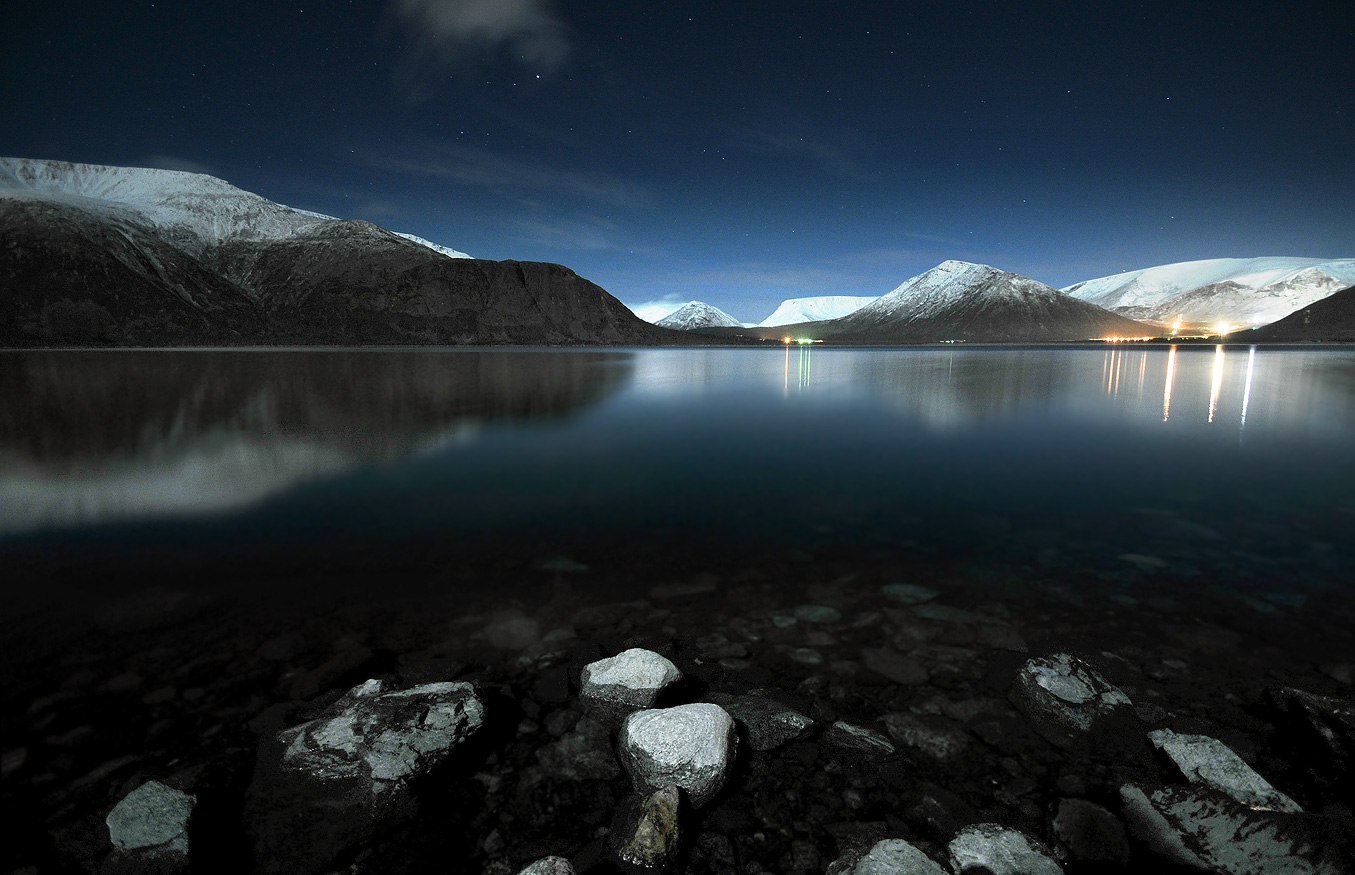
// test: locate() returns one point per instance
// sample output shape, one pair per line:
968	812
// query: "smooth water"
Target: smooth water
1235	462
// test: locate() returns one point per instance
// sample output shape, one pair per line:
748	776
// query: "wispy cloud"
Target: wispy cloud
468	165
171	162
443	34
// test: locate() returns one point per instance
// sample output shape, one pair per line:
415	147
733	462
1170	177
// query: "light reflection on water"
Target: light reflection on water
678	441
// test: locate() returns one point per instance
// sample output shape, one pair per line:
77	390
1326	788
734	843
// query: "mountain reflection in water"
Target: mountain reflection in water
93	436
579	450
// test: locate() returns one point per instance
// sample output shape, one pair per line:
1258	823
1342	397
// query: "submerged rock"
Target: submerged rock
1091	833
1065	698
908	593
324	787
631	679
894	857
932	735
1211	832
1208	761
769	724
996	850
652	840
149	829
690	746
857	739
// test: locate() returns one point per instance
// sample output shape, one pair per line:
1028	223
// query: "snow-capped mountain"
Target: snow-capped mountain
97	256
698	314
1237	291
957	300
192	211
796	310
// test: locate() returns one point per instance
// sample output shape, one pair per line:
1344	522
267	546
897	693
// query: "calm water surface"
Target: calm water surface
1233	462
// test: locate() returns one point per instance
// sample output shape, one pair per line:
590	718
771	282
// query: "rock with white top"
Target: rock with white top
631	679
325	786
149	829
1208	761
997	850
1066	699
690	746
894	857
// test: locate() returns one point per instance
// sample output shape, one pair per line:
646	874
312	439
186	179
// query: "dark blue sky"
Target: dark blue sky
715	151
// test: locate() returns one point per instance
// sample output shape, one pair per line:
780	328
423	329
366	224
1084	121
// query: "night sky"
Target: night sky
733	152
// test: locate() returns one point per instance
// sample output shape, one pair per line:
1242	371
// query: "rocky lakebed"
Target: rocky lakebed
804	714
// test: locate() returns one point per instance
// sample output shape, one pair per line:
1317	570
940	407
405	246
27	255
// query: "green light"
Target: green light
803	340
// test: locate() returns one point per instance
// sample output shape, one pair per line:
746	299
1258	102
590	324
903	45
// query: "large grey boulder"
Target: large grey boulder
690	746
895	857
149	829
1208	831
1208	761
996	850
327	785
1065	699
631	679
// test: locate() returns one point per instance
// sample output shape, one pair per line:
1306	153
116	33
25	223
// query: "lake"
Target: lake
1183	513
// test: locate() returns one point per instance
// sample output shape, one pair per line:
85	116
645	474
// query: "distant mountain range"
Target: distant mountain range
698	314
94	255
1236	292
97	255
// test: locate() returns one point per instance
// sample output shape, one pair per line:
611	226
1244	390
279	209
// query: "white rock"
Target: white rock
896	857
151	818
1208	761
997	850
690	746
633	678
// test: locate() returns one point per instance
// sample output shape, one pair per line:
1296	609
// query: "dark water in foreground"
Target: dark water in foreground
198	546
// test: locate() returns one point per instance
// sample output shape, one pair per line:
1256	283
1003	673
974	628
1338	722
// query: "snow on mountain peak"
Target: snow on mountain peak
698	314
819	309
1236	290
191	210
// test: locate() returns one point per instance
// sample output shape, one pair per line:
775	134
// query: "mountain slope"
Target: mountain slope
1248	291
695	315
159	265
1330	319
957	300
191	211
794	311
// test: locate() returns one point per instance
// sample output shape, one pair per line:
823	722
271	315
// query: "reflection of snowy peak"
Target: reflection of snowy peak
191	211
957	300
698	314
1236	290
795	310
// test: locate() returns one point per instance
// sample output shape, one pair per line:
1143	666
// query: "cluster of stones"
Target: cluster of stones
328	784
